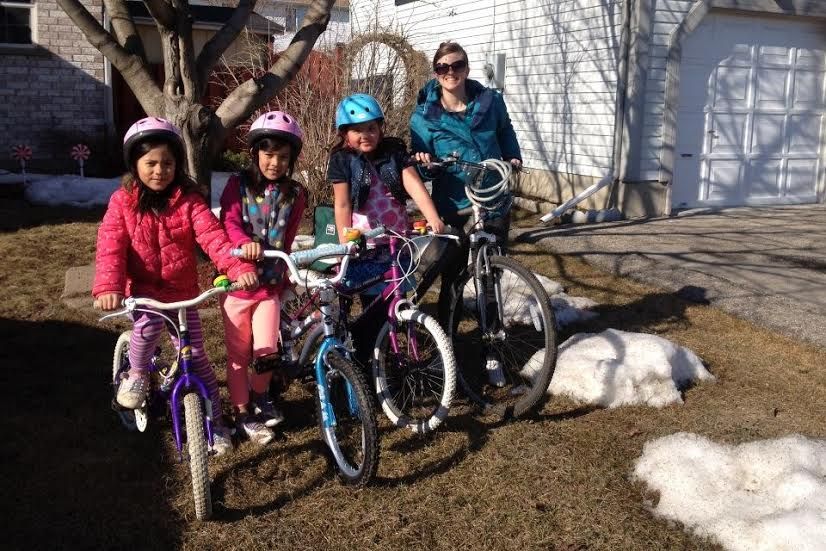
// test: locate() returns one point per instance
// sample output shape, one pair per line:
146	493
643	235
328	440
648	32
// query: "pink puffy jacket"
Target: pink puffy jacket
153	255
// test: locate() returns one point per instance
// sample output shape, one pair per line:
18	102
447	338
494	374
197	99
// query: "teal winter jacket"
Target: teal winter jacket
484	131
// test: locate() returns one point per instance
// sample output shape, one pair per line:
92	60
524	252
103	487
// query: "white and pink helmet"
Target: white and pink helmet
277	124
150	127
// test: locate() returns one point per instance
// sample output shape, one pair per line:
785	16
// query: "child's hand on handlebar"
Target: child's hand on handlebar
248	281
437	226
108	301
251	251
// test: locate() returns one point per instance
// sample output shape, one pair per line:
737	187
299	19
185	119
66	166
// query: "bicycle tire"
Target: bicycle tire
197	446
120	365
357	466
527	374
415	393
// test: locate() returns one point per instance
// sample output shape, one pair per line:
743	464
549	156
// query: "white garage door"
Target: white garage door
750	122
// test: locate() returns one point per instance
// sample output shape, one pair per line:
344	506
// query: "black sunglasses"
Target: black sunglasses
444	68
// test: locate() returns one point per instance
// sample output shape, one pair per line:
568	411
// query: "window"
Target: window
16	22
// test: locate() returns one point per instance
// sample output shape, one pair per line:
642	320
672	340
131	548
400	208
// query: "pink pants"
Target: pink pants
250	331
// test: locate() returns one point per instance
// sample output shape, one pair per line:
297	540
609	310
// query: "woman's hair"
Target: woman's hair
147	198
255	179
446	48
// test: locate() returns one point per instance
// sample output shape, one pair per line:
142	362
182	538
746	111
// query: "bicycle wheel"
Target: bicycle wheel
352	434
507	365
120	365
197	445
415	386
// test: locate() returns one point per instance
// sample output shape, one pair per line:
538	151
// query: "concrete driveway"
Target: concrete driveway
764	264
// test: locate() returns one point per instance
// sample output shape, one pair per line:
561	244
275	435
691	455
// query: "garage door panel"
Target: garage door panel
765	178
808	90
804	134
801	175
721	182
767	133
728	133
771	88
731	86
810	58
776	56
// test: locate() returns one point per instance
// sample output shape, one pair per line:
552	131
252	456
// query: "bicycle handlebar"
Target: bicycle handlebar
132	303
304	258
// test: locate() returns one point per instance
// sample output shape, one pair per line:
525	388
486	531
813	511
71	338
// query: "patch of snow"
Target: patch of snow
567	309
72	190
616	368
762	495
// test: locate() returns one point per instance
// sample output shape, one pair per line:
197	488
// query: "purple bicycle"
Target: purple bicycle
176	385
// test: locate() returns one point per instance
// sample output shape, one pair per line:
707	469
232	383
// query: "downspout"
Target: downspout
108	94
613	174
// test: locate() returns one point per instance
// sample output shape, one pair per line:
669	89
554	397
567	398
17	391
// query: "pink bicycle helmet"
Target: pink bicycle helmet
277	124
150	127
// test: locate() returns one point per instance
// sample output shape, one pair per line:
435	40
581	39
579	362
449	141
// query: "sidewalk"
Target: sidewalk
763	264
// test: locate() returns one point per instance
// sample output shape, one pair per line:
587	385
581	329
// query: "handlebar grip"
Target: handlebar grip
235	252
375	232
302	258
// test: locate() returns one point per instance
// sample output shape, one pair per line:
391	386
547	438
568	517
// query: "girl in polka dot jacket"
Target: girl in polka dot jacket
261	208
372	179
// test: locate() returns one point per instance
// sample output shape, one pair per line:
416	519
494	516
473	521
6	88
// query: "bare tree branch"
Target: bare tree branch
124	27
162	12
221	40
132	67
253	93
186	50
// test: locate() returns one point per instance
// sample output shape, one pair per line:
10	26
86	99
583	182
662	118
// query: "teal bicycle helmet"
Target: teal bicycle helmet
358	108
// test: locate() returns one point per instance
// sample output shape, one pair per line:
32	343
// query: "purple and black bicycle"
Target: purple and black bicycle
175	384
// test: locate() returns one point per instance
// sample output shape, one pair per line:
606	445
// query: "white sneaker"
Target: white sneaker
221	440
493	367
266	411
133	388
255	429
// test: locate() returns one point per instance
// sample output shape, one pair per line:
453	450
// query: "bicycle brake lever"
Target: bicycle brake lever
114	314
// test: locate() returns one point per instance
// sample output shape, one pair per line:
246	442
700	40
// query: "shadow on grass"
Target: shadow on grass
18	214
72	473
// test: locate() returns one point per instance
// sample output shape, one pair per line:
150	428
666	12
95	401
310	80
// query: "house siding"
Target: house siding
666	16
52	98
561	67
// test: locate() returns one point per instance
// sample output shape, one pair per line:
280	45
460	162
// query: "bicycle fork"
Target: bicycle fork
185	383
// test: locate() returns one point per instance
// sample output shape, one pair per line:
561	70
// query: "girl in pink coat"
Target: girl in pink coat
146	247
261	208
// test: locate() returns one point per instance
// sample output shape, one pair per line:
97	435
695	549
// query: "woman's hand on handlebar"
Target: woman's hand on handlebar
108	301
248	281
423	158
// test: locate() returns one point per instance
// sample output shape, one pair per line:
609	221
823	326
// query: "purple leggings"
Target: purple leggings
146	333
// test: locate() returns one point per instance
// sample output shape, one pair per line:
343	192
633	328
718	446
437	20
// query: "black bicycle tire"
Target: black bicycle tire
532	399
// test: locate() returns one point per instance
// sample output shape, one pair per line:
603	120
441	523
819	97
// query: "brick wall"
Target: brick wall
53	97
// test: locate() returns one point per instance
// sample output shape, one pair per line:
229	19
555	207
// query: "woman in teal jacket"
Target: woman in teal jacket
456	114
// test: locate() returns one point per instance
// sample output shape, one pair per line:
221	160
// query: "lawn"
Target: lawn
558	480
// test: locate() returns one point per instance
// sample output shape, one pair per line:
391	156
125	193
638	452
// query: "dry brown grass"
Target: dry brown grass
559	480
